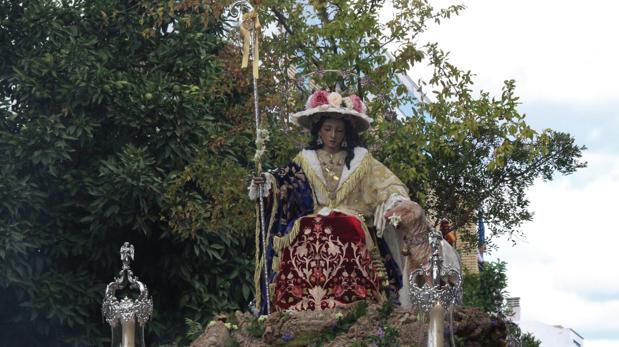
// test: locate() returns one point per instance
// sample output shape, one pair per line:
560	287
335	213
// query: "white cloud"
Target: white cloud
556	49
601	343
565	270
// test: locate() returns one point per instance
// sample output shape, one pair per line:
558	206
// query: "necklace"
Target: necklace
332	166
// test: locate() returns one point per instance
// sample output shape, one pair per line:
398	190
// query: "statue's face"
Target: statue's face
332	133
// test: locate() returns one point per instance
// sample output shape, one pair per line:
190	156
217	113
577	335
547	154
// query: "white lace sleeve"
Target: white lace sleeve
266	188
379	214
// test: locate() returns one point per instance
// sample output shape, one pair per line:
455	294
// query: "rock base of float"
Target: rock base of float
334	328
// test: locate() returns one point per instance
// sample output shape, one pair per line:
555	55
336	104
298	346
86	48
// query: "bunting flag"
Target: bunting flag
481	230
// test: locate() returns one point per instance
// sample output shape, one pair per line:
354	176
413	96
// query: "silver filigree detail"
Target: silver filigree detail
446	282
127	309
235	11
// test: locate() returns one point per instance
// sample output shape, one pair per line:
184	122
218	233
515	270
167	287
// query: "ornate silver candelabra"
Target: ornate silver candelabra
442	290
127	316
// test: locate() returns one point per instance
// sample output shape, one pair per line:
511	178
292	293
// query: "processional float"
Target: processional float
445	288
127	317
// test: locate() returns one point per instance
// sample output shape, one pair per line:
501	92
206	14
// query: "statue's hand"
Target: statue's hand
414	229
258	180
406	215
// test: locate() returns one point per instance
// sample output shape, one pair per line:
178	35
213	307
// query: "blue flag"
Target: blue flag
481	230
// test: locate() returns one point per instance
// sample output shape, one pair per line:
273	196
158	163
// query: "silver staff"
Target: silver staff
236	14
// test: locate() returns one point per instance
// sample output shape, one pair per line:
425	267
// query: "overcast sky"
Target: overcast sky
564	56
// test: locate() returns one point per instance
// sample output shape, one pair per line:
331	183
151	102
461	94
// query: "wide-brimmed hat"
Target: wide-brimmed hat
332	104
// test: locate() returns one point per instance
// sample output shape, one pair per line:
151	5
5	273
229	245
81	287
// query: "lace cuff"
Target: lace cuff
266	187
379	214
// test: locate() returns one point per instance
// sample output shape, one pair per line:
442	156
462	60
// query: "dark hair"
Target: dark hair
350	136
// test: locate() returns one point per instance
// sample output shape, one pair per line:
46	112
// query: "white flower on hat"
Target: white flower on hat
347	103
335	99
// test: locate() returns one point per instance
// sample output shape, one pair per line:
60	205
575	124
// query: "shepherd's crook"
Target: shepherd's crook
249	26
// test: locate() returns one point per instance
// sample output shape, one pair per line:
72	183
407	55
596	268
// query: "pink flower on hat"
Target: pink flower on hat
356	102
320	97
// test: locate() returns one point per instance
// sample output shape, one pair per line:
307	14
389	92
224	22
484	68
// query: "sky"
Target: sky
564	57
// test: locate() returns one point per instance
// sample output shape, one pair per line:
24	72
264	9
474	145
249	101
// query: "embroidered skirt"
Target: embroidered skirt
327	265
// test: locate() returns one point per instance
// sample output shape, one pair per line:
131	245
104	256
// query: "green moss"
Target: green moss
230	342
342	326
255	328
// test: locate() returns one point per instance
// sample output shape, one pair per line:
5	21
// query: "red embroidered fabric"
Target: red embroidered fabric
327	265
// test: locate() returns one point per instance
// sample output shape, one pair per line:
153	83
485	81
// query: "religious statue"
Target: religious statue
340	226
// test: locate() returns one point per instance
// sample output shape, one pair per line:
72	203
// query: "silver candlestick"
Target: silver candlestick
443	290
127	316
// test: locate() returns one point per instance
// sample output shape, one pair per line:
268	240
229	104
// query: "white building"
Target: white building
552	335
549	335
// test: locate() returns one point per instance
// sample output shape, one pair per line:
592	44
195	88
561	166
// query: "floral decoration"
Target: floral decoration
320	97
335	99
356	103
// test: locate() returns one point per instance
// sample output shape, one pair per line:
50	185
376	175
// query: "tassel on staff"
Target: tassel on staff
251	21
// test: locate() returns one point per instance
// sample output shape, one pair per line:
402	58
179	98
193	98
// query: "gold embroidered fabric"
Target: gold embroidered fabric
369	184
332	166
358	191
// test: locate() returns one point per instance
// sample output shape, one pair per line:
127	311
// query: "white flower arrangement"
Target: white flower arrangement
335	99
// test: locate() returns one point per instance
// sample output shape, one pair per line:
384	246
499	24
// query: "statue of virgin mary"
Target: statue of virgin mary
341	226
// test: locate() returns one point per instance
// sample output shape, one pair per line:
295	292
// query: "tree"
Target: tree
457	152
486	290
119	122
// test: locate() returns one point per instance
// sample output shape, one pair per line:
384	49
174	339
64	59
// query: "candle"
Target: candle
128	333
436	327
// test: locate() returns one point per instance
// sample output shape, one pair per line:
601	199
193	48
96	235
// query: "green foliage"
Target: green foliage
117	124
526	339
385	311
256	327
194	329
486	290
328	334
386	336
349	36
458	152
